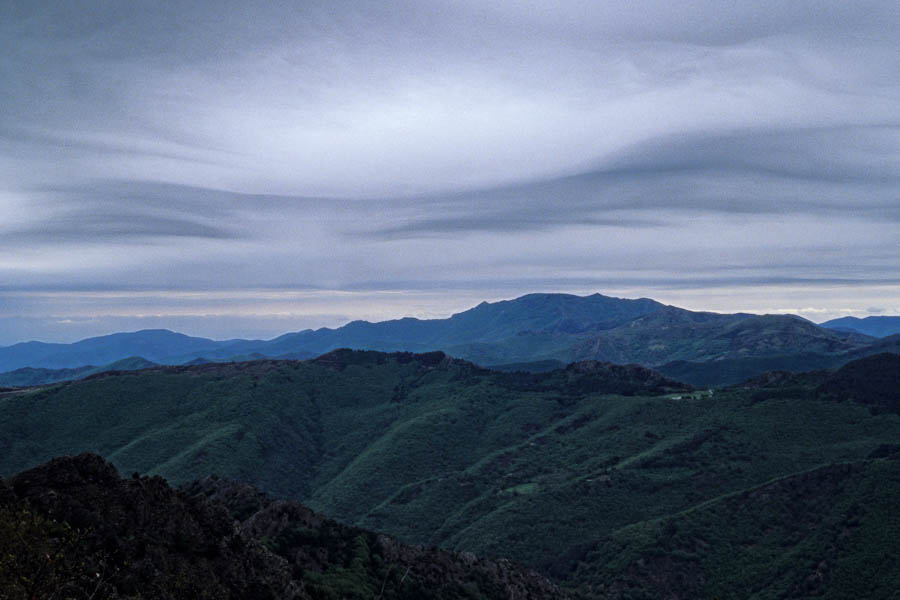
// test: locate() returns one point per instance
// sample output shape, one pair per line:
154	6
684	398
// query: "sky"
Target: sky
244	169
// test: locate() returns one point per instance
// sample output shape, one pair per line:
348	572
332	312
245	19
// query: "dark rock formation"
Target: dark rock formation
72	528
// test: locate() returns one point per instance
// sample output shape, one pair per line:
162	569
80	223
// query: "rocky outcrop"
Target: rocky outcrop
73	528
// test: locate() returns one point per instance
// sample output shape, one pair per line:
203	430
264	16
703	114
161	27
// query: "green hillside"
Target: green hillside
826	533
731	371
539	467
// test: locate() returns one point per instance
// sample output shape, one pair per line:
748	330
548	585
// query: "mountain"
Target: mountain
530	326
873	326
537	328
29	376
890	344
732	371
155	345
561	314
874	381
72	528
554	470
677	334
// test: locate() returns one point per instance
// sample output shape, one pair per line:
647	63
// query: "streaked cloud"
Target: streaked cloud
479	149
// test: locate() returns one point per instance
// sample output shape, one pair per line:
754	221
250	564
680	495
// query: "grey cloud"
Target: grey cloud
184	199
92	228
155	299
513	220
703	22
36	142
696	281
104	210
848	172
143	70
340	143
846	153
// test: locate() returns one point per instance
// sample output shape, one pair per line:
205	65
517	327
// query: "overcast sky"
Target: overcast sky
245	169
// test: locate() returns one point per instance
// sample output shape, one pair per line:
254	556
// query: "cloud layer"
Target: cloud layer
654	148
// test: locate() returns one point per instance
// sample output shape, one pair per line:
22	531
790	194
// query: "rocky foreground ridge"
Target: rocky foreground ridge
73	528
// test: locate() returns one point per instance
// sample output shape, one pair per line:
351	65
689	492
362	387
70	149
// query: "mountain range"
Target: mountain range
30	376
533	332
614	481
873	326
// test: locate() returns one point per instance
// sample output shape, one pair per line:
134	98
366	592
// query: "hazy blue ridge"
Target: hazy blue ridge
154	345
536	328
487	322
874	326
30	376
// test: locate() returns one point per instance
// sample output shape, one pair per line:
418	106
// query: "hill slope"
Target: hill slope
535	467
731	371
823	533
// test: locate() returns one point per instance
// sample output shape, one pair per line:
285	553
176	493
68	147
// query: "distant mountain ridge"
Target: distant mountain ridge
876	326
155	345
559	314
533	328
30	376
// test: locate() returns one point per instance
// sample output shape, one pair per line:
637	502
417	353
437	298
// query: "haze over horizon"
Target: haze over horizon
244	169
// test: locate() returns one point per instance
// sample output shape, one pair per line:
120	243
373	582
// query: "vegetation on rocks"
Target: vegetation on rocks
74	529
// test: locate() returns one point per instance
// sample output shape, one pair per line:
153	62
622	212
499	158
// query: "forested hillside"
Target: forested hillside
545	469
